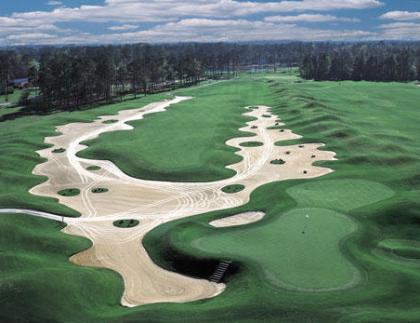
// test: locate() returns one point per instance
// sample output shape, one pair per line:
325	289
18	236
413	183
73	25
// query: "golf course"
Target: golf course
260	197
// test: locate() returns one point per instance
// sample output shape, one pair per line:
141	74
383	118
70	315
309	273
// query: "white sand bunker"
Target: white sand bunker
154	203
238	219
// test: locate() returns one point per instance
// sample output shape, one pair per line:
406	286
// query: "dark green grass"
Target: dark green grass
231	189
126	223
278	162
93	168
99	190
110	121
69	192
251	144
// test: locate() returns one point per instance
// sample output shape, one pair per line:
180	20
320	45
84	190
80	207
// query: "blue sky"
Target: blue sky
36	22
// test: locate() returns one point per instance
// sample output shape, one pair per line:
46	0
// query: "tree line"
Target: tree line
74	76
384	62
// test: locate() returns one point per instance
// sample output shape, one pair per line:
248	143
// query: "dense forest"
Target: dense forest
383	62
76	76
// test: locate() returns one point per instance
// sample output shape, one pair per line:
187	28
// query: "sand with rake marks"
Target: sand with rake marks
154	203
238	219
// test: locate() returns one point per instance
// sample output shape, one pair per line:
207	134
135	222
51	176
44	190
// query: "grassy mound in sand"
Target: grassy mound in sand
69	192
231	189
126	223
278	162
93	168
251	144
99	190
58	151
110	121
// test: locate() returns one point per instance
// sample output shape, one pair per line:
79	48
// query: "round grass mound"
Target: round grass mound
278	161
93	168
126	223
98	190
251	144
58	151
110	121
230	189
69	192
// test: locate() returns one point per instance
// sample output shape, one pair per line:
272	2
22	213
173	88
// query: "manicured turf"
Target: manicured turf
295	251
214	116
69	192
231	189
251	144
126	223
342	195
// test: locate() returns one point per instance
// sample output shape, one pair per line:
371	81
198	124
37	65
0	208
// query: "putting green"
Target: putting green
295	251
342	195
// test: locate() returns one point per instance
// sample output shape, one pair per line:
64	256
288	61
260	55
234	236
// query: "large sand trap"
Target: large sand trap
238	219
154	203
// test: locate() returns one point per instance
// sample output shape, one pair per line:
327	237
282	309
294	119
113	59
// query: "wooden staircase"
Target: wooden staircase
220	271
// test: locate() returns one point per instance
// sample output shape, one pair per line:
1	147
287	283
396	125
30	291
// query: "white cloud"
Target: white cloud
205	30
401	15
310	18
123	27
182	20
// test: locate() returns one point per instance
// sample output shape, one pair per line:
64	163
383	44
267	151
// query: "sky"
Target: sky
62	22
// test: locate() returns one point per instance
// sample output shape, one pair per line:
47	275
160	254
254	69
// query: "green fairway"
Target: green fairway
187	143
297	251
